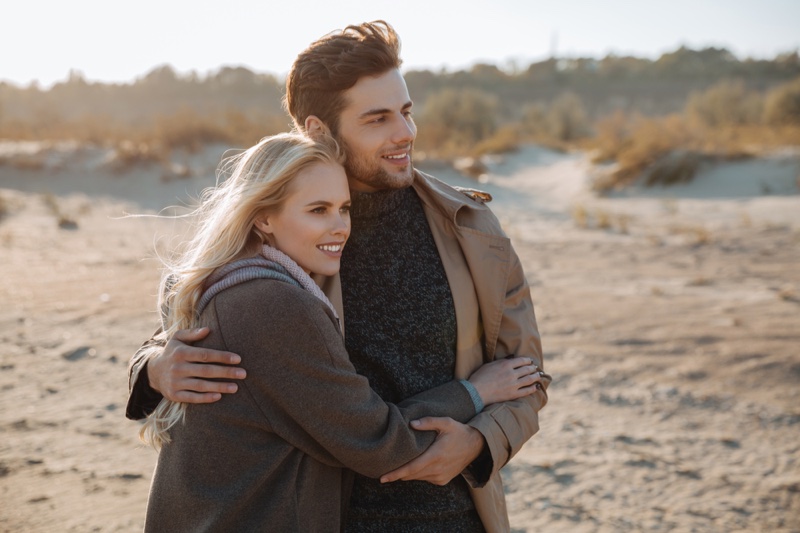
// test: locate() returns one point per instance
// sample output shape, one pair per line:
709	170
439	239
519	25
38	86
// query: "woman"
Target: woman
273	456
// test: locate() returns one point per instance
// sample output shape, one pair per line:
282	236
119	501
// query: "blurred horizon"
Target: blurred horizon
107	43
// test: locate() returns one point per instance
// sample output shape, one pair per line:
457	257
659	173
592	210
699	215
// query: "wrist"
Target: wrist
477	443
144	375
474	394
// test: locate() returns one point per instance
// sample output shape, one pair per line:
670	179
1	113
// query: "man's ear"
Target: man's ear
315	127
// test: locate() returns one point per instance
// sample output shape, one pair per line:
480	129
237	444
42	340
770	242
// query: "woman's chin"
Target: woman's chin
331	270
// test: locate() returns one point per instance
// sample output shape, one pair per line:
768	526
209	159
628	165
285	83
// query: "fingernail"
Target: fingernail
232	388
241	374
235	359
198	330
415	423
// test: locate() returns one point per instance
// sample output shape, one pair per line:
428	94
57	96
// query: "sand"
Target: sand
670	320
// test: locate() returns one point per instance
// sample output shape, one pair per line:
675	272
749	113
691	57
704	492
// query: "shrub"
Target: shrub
566	118
534	121
726	103
612	136
455	121
187	130
679	166
504	140
782	106
129	155
645	143
64	221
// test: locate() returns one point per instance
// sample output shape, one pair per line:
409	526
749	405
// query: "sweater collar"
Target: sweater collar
373	205
449	200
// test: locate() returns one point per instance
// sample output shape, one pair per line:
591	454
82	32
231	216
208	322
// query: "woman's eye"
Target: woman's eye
345	209
318	210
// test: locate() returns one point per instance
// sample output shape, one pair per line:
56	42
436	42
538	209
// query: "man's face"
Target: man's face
377	133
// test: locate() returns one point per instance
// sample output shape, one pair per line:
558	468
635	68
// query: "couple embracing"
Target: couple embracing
373	380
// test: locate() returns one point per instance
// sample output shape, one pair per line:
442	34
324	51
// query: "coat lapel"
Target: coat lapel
471	253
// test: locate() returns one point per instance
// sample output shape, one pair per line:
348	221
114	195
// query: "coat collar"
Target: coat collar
449	200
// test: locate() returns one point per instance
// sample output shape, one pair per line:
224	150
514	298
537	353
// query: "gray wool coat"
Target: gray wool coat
273	456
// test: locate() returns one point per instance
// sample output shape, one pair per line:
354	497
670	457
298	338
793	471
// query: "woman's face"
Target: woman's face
314	222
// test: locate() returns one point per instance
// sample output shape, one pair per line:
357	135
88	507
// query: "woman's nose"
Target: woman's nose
342	224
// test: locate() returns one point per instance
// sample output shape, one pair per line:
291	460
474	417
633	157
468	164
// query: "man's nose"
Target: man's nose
405	132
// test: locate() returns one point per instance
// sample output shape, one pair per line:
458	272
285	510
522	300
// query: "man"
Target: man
430	288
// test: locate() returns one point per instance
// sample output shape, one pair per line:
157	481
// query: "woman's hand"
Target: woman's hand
507	379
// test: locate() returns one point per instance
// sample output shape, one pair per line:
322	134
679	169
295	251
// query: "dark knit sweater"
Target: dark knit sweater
401	334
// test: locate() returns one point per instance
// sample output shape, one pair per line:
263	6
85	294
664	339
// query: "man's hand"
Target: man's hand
456	446
181	372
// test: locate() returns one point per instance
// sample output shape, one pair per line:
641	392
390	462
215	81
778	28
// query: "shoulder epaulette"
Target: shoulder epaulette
481	197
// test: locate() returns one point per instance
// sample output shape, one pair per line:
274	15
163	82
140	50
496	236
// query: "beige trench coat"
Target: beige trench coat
495	318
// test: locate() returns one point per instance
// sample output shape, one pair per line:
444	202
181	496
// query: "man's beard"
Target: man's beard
365	170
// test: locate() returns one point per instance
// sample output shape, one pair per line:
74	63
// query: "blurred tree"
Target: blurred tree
160	75
685	62
468	107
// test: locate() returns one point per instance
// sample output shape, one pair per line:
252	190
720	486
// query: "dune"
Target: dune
670	320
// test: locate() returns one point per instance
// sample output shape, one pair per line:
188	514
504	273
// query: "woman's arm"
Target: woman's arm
308	392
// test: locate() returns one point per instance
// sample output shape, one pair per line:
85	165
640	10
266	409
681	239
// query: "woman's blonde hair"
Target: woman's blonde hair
258	183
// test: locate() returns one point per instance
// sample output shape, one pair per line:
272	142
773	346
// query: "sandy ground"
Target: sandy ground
670	320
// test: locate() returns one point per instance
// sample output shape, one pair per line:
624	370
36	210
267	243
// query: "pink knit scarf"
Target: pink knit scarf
273	254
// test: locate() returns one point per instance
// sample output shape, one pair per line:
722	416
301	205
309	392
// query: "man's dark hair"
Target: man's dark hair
332	65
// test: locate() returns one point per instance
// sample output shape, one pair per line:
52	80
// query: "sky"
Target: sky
112	41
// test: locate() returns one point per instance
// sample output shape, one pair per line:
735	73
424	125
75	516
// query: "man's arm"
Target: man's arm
495	435
507	426
179	372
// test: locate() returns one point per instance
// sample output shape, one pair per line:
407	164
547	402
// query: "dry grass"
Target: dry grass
148	142
788	294
128	155
700	281
64	220
671	150
505	139
600	219
724	122
27	162
697	235
5	209
580	216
